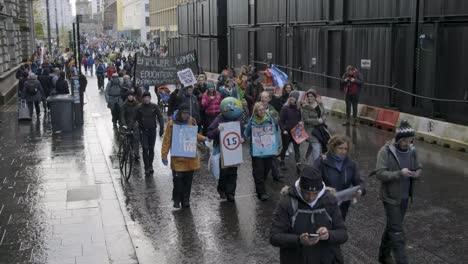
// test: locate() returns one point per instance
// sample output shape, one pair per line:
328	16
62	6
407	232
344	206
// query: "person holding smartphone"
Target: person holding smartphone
307	223
397	169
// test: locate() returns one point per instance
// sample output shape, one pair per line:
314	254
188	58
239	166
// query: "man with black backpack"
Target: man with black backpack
33	94
113	97
307	223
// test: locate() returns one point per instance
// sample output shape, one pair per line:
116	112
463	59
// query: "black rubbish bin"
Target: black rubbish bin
61	112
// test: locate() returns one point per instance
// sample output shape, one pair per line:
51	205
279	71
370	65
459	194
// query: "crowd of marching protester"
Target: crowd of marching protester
309	221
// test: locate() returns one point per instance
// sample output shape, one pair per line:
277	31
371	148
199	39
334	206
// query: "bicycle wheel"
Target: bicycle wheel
121	154
128	164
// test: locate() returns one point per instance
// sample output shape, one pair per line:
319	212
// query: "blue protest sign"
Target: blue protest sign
184	141
264	140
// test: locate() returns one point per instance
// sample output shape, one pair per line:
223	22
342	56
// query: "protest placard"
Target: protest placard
231	146
264	140
184	141
186	77
299	134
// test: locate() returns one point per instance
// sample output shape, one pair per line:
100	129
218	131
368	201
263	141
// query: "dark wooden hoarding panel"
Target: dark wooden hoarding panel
203	18
437	8
238	47
442	59
378	9
182	19
237	12
270	46
374	44
183	44
191	15
303	11
270	11
308	46
204	54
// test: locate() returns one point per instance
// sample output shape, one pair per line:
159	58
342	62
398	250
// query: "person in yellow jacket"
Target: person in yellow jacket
182	167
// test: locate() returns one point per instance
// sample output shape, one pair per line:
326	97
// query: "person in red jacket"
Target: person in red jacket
352	85
110	70
210	102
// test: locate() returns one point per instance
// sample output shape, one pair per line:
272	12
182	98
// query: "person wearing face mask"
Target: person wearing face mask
307	224
397	168
146	115
339	171
128	120
182	167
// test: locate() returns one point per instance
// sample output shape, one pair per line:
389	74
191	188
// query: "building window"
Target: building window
147	7
147	21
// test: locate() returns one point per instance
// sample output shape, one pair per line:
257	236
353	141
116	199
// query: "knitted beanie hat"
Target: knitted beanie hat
404	131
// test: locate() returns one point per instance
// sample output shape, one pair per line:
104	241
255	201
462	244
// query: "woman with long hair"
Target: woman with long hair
339	171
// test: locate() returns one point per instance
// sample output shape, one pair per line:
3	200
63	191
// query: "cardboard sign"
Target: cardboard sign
184	141
299	134
231	146
186	77
264	140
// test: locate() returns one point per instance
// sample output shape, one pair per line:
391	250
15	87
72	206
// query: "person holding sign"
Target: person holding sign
290	117
231	109
339	171
264	146
146	116
182	167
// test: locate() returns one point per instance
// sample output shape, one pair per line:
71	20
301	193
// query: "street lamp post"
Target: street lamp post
57	32
48	27
78	17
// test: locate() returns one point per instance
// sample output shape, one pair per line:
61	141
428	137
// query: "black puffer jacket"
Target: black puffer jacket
128	113
286	237
146	116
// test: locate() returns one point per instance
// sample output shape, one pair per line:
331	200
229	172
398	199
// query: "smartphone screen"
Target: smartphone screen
313	235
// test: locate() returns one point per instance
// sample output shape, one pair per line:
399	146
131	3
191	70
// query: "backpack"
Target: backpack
295	208
31	89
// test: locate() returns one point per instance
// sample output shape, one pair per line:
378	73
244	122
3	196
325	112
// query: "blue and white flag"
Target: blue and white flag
279	78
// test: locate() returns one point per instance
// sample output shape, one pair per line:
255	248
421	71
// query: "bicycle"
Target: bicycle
126	152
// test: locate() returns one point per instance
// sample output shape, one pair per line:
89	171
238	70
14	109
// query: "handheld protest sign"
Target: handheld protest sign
184	141
264	140
186	77
299	134
231	146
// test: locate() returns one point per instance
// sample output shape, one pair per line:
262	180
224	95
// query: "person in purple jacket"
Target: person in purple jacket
227	182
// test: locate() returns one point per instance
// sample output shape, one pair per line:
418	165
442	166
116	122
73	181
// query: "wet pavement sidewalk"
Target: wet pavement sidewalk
58	203
62	201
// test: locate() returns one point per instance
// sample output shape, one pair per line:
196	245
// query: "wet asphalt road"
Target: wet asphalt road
215	231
